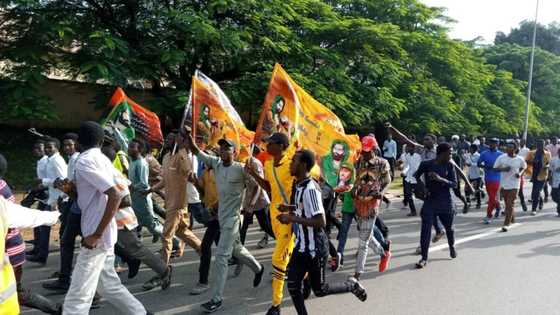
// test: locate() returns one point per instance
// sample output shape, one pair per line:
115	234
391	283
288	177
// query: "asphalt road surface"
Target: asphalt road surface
517	272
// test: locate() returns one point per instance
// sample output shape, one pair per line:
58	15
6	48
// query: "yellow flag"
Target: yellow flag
214	117
309	124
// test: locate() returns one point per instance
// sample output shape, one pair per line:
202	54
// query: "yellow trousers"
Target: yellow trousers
285	241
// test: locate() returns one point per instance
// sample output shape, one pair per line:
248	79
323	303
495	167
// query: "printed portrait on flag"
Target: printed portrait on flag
128	120
216	118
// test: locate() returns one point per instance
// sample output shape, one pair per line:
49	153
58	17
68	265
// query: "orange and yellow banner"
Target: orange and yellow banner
309	124
214	117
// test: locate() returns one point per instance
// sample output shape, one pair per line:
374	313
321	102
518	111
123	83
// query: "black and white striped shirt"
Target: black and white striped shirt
308	204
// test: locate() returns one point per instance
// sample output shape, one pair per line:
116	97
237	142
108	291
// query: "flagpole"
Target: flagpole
531	64
187	108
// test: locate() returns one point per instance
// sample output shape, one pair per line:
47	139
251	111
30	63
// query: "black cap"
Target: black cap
226	142
278	138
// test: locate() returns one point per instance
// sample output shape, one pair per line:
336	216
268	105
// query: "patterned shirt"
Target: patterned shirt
371	178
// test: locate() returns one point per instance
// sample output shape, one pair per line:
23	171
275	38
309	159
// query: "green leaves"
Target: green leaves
369	61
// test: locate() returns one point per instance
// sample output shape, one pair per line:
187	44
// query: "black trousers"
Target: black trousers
211	235
42	236
536	198
392	165
263	217
477	186
555	194
329	204
304	263
67	244
408	195
428	219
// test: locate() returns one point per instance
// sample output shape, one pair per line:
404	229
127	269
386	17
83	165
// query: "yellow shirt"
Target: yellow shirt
285	179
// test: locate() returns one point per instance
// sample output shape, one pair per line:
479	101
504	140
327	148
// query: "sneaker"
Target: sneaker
238	270
357	289
466	208
384	263
263	242
438	237
504	228
57	285
533	213
258	277
152	283
335	262
166	279
199	289
211	306
487	220
411	214
452	252
421	264
273	310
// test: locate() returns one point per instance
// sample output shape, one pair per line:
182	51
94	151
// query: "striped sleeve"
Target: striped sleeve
313	201
6	192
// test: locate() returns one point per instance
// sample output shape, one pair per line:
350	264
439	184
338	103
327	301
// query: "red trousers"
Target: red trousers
492	189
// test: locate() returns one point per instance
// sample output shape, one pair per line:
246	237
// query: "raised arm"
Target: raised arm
399	136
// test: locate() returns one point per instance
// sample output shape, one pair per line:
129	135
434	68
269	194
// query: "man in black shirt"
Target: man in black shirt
440	177
311	249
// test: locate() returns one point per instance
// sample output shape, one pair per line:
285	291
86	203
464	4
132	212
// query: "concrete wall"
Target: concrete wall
75	102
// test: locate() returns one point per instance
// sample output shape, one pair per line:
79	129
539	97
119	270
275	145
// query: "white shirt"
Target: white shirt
308	204
523	152
472	160
509	180
554	165
193	196
95	174
42	167
72	165
411	162
56	168
21	217
553	149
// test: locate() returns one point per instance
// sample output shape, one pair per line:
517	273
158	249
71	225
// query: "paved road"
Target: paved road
495	273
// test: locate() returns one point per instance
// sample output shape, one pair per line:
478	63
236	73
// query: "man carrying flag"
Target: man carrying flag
290	118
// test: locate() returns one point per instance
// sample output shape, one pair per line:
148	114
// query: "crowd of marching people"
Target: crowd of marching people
105	195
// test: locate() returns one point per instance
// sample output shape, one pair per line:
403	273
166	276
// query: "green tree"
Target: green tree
546	78
369	61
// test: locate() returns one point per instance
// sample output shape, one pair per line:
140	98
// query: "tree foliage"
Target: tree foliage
370	61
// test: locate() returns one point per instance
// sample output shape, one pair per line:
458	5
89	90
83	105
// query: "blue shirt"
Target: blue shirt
487	160
438	197
390	149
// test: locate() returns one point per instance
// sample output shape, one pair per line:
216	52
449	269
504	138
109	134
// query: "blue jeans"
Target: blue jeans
343	233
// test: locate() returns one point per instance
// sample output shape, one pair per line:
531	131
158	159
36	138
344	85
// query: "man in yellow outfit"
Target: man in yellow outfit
277	182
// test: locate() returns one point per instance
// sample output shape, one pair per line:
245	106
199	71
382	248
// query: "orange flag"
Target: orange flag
214	117
129	119
309	124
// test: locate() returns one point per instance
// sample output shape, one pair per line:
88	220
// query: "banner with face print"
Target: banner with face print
214	117
129	119
289	109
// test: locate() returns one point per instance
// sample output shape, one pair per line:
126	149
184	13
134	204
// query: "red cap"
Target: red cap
369	143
